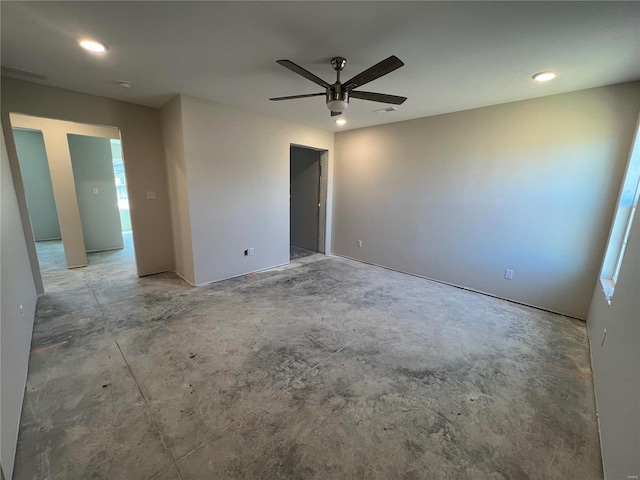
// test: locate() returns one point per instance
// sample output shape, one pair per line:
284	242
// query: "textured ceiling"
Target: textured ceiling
457	55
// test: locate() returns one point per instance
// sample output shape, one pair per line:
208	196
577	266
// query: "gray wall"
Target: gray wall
96	192
17	310
37	184
237	169
305	196
616	365
529	186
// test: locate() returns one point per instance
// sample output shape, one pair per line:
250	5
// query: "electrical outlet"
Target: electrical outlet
95	190
251	252
508	274
151	195
360	243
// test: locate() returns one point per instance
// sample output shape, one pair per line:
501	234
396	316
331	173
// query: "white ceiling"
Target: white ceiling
457	55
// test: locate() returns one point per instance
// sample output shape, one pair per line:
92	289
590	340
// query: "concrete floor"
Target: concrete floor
296	252
325	369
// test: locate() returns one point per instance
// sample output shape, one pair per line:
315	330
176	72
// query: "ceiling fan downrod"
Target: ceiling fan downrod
337	97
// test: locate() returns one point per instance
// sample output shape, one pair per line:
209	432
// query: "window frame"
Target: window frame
622	220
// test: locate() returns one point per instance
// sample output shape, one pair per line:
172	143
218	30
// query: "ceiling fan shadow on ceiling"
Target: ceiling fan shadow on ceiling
339	94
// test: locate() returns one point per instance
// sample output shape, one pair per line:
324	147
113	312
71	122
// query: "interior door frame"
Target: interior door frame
322	207
323	191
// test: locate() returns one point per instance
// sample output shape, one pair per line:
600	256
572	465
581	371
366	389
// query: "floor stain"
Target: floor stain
46	348
571	371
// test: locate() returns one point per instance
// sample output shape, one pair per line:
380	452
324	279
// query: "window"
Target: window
619	236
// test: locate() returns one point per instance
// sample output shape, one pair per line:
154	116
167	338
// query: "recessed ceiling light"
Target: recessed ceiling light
123	83
341	121
92	45
544	76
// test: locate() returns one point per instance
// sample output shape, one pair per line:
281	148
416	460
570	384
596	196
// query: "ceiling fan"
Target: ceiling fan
338	94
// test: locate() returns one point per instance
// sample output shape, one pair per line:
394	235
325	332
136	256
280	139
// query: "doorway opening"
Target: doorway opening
76	192
121	185
307	194
41	203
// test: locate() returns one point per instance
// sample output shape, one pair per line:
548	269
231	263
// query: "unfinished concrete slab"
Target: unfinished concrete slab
298	252
325	369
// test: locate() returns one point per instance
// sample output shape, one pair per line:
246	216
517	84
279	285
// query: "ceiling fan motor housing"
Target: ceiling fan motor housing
337	98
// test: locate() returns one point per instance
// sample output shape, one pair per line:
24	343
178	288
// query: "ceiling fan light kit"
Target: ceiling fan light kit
339	94
337	101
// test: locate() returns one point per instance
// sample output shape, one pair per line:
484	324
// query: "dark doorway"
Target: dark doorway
305	172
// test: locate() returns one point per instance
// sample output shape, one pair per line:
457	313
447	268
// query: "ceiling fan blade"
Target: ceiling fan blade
301	71
378	97
378	70
335	114
291	97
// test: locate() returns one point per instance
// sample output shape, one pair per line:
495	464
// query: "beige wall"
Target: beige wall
614	331
173	136
18	304
238	179
616	365
143	159
529	186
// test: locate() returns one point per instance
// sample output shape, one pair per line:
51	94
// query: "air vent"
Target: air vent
14	72
386	110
